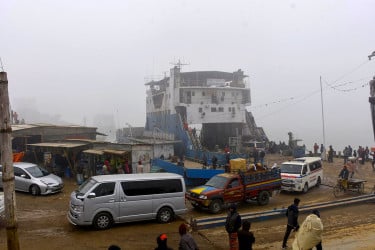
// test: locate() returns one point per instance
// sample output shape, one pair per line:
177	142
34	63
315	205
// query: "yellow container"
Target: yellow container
238	164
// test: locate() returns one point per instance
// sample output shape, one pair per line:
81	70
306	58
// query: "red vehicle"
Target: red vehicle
226	188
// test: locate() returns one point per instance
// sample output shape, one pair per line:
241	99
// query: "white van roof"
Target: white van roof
303	160
145	176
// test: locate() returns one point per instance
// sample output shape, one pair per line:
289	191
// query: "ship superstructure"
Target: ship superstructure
213	101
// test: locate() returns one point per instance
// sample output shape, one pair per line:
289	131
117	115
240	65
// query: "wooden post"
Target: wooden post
7	163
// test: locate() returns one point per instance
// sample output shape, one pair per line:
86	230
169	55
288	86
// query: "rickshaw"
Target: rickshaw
353	186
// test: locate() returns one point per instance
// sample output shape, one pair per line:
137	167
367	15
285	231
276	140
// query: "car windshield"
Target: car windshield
37	171
290	169
217	182
86	186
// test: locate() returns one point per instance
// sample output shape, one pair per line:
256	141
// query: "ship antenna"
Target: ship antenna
179	64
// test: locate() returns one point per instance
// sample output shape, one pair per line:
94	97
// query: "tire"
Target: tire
216	206
305	188
35	190
318	182
263	198
102	221
337	191
165	215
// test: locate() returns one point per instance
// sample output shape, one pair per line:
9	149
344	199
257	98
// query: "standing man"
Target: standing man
330	154
232	224
246	238
316	147
292	214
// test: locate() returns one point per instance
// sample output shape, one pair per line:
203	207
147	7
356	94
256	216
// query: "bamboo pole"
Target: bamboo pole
7	163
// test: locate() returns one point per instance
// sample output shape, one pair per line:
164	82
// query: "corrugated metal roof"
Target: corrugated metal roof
93	151
115	152
58	144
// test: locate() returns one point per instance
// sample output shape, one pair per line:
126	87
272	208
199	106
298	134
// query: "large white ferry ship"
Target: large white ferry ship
205	110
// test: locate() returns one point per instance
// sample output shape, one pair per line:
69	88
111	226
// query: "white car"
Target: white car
29	177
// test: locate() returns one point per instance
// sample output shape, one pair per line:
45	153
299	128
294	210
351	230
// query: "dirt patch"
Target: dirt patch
42	221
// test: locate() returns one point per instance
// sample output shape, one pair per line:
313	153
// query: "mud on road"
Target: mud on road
42	222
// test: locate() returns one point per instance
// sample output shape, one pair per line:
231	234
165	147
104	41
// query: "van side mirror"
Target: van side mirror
91	195
24	176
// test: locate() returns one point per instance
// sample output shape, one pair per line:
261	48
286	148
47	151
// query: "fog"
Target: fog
72	62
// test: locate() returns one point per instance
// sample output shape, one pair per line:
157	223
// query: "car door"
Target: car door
136	200
106	199
22	180
233	192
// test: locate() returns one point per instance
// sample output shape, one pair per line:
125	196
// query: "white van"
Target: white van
106	199
301	174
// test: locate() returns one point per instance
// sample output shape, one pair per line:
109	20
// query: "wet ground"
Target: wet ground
42	222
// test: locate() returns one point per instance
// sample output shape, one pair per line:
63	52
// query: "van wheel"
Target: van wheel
102	221
165	215
318	182
215	206
34	190
263	198
305	188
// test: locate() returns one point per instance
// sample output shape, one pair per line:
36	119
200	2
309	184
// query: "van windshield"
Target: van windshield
290	169
86	186
217	182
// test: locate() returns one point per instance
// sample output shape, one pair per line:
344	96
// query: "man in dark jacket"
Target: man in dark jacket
232	224
246	238
292	214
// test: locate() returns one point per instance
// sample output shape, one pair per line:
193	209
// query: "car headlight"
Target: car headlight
203	197
77	208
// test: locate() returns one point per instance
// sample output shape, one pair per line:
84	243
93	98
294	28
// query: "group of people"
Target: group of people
187	241
238	239
307	237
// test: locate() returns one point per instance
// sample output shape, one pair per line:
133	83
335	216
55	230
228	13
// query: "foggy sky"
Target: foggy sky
72	60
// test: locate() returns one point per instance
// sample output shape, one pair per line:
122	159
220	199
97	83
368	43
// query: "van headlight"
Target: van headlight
77	208
203	197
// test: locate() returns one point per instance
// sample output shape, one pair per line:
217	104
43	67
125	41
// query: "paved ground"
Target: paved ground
43	224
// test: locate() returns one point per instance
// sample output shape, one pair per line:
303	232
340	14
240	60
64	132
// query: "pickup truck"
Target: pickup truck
227	188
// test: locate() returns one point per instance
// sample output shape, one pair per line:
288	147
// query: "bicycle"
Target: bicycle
340	188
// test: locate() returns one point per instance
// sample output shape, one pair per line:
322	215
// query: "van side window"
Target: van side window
135	188
304	170
105	189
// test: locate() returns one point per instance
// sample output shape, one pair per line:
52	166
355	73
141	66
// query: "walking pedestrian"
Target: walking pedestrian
246	238
310	233
292	224
330	154
187	241
232	224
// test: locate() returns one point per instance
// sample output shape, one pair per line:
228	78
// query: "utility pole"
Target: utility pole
324	131
372	97
7	163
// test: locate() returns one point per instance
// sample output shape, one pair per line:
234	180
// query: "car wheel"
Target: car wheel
165	215
263	198
305	188
102	221
318	182
34	190
215	206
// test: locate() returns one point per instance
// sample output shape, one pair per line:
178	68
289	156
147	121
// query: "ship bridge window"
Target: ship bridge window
221	109
200	110
230	109
213	109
